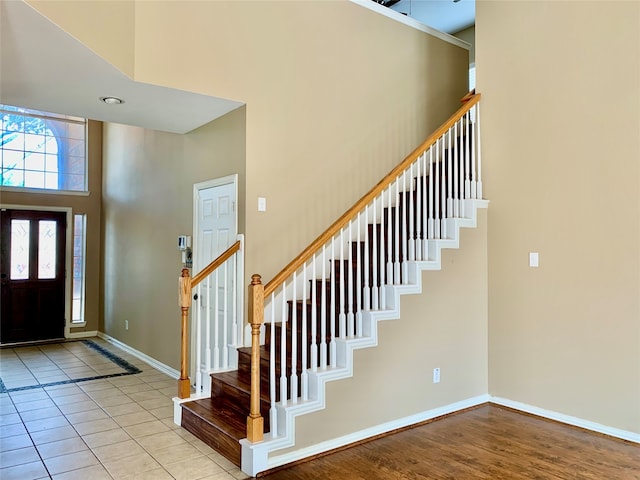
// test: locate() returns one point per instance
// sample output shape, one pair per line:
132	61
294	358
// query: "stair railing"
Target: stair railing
319	299
218	322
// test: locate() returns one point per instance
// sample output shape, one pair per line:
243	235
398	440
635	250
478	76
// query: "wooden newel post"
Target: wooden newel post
255	422
184	301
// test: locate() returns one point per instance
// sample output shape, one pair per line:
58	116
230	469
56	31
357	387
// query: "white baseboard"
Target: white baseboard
92	333
173	373
278	460
568	419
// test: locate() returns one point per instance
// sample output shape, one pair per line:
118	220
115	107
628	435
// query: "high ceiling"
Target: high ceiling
44	68
448	16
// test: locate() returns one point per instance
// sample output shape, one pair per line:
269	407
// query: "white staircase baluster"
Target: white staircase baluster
425	208
216	339
234	304
304	380
333	302
225	318
473	152
389	240
396	235
362	269
456	173
368	292
443	190
450	176
314	315
199	346
418	216
375	299
478	153
283	347
467	159
323	309
403	230
293	381
273	411
430	226
382	298
349	287
411	217
436	193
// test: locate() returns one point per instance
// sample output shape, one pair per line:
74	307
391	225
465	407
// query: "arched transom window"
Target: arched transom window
42	150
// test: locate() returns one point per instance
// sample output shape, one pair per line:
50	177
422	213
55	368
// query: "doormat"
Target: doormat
29	367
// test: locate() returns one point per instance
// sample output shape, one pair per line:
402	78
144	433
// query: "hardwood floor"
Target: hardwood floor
488	442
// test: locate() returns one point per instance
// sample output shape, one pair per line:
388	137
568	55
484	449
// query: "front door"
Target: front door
32	274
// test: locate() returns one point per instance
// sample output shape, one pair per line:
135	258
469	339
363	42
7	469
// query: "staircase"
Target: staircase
329	303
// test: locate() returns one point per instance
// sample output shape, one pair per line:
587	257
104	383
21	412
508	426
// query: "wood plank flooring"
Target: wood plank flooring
488	442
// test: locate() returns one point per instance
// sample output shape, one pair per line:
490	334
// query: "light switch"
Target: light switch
533	259
262	204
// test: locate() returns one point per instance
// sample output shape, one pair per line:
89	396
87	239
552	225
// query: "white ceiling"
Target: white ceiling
444	15
44	68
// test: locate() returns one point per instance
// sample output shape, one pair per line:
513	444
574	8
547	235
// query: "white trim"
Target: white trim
568	419
46	191
141	356
86	334
411	22
68	254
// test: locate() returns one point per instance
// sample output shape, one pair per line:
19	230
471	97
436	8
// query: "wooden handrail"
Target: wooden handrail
468	96
296	263
223	257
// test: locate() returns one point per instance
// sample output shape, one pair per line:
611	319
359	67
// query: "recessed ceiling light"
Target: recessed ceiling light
111	100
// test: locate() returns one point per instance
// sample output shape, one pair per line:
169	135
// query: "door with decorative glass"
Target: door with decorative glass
32	271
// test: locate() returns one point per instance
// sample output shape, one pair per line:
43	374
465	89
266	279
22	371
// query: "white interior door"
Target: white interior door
216	229
217	222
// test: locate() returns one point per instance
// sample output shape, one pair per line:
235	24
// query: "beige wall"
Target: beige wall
87	204
561	145
336	96
105	26
147	202
469	36
445	327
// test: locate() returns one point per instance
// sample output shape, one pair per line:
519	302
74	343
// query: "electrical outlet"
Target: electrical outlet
126	324
262	204
436	375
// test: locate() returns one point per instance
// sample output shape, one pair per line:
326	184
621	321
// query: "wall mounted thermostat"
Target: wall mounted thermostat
184	242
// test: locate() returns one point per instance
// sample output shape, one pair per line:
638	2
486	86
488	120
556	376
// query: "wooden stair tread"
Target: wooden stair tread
218	427
238	382
225	420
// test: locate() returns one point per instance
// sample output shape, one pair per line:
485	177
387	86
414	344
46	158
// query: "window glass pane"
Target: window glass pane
50	180
12	177
19	249
51	163
77	307
47	249
34	161
36	141
33	179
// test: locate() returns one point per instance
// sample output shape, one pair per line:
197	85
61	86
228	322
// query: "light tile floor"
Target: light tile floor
110	428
